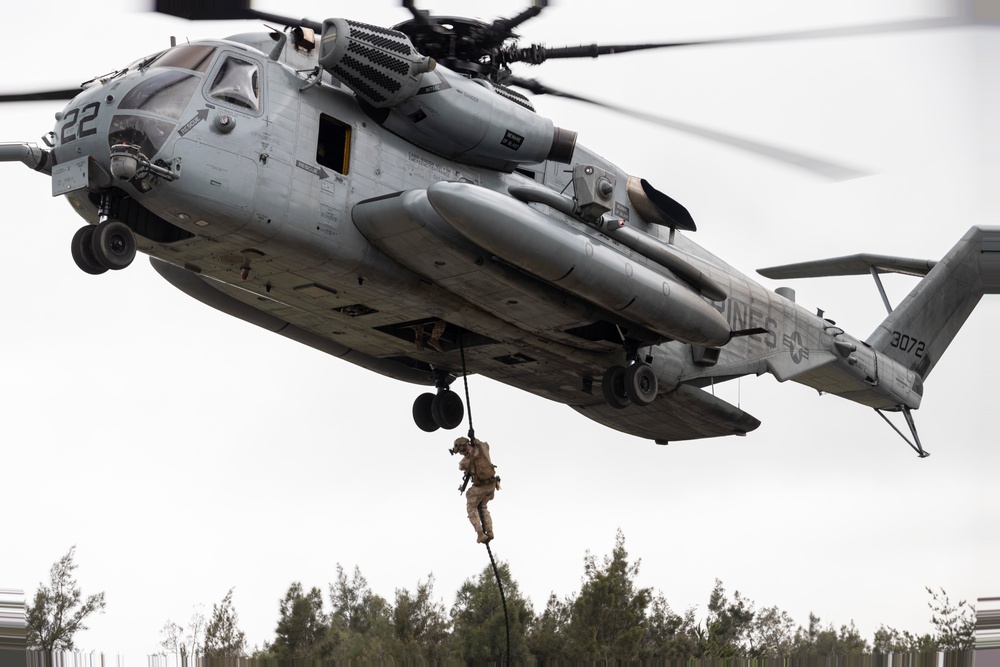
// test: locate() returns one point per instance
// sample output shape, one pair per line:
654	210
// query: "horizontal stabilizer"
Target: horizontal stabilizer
849	265
802	361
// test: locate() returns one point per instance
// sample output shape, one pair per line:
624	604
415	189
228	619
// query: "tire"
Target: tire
83	253
640	383
613	387
113	244
422	415
448	410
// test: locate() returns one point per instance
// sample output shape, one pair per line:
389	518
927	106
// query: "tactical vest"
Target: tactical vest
483	470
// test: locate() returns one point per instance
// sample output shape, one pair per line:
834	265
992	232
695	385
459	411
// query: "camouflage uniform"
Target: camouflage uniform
484	484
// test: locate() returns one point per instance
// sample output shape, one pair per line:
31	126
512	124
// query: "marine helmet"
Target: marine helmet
462	442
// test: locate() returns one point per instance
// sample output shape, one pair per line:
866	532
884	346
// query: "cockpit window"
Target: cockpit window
149	134
195	57
143	63
165	94
237	83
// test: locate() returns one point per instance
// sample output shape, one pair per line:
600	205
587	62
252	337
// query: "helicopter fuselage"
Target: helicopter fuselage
250	173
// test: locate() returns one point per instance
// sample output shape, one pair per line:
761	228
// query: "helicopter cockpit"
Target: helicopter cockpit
163	96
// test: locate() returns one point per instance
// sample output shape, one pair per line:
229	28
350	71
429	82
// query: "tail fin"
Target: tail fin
917	332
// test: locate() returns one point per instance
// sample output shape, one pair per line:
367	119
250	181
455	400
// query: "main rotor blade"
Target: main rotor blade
226	10
811	163
531	12
41	96
536	54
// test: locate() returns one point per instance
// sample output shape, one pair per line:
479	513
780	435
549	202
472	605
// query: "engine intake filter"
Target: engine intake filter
381	66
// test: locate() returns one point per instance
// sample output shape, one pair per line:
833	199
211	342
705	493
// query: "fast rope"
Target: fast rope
493	562
465	380
503	599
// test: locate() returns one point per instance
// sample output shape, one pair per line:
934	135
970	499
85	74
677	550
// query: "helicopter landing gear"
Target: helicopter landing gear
441	410
623	386
113	244
632	384
109	245
422	415
83	253
613	387
908	416
640	383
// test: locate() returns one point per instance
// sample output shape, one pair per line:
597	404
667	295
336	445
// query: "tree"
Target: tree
223	637
172	638
850	642
955	625
546	637
196	630
302	626
60	609
477	617
176	640
420	623
770	633
805	640
820	642
356	605
608	619
669	636
727	626
361	622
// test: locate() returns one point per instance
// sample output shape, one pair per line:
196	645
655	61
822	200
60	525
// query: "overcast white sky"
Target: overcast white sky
185	453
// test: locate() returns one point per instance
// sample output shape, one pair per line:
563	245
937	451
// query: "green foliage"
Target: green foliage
361	625
223	637
611	620
478	619
727	628
355	605
770	633
301	631
669	636
421	624
608	618
890	640
59	610
955	625
546	637
817	641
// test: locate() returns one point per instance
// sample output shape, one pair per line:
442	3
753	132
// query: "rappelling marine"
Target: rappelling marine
479	469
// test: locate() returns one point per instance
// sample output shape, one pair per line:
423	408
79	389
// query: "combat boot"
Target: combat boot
481	537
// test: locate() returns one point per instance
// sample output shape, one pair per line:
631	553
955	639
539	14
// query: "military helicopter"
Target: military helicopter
386	196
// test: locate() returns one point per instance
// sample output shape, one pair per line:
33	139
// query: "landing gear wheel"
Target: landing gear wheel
423	416
113	244
447	409
613	387
640	383
83	253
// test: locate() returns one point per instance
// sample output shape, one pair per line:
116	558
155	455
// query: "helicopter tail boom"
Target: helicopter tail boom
917	332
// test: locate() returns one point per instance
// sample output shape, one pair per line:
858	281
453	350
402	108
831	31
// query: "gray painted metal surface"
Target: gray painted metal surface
265	187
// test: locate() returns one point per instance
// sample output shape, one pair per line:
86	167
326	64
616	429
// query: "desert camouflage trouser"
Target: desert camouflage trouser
476	498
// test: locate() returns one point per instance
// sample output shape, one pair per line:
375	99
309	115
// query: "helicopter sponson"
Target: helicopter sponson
545	248
468	120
